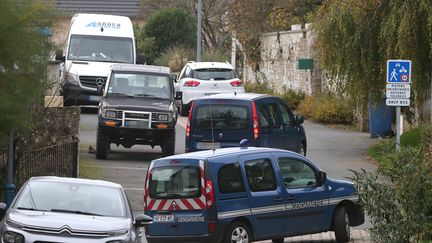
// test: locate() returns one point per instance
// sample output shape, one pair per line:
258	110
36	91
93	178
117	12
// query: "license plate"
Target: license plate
137	124
205	145
163	218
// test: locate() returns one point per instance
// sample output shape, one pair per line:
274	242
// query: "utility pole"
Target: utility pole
233	51
198	55
10	187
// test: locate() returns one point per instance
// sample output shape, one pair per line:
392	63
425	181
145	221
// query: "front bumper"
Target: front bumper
185	238
76	95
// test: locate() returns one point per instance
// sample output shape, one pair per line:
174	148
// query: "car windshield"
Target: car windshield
140	85
226	117
70	197
175	182
213	74
100	49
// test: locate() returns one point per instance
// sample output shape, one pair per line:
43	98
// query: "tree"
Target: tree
214	24
23	58
169	27
251	18
355	38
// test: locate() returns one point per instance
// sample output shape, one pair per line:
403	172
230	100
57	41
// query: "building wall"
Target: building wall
280	52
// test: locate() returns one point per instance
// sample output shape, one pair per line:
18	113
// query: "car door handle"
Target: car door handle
291	198
278	199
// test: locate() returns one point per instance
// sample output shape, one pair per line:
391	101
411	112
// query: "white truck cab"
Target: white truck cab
94	43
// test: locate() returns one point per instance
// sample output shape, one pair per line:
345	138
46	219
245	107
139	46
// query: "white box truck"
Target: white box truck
94	43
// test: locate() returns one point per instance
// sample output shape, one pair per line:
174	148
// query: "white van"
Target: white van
94	43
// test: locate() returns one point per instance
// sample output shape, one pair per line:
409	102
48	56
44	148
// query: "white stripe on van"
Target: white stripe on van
285	207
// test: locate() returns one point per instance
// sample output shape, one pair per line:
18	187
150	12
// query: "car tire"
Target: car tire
341	225
238	232
102	144
168	144
281	240
184	110
302	149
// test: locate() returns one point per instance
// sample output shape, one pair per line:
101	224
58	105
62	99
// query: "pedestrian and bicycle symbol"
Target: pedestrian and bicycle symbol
398	71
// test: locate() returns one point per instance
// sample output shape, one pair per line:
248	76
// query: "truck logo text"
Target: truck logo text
106	25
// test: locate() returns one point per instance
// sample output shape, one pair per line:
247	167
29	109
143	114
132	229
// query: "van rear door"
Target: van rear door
219	123
175	198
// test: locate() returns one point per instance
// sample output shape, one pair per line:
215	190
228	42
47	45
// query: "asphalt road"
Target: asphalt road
336	151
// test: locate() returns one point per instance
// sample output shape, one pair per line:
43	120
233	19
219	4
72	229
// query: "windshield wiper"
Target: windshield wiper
147	95
121	94
73	211
31	209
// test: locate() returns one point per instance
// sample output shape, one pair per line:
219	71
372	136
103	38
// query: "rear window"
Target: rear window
213	74
227	117
175	182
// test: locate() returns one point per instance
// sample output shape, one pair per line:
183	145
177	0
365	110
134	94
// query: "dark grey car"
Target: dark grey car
56	209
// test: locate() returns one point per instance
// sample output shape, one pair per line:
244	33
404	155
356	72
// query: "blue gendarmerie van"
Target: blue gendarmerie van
222	120
245	194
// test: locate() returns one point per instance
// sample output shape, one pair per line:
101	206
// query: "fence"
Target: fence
57	160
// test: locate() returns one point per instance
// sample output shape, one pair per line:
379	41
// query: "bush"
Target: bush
175	57
292	97
384	148
398	198
259	87
327	108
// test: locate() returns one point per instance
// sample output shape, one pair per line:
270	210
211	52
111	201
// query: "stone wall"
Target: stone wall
280	52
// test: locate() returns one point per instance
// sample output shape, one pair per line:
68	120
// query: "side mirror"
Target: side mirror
142	220
59	56
3	207
140	59
299	119
174	77
322	177
178	95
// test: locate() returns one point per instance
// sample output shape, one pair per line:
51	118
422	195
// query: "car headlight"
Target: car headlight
110	114
163	117
12	237
72	78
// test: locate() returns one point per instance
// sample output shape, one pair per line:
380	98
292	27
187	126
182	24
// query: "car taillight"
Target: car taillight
236	83
210	195
256	129
189	120
191	83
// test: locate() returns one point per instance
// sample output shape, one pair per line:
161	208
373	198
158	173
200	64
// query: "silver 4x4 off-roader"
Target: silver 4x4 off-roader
137	107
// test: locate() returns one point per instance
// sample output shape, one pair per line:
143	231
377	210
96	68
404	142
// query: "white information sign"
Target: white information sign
397	102
398	91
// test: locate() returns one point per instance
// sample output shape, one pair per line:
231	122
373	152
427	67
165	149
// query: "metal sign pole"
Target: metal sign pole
398	130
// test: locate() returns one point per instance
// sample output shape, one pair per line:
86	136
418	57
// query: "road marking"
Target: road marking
115	167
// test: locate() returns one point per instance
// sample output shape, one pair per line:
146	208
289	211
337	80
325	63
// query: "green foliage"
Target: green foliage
23	59
355	39
259	87
175	57
327	108
292	97
215	55
169	27
146	46
398	198
411	138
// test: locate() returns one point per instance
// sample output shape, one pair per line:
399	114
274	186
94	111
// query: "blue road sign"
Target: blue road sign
398	71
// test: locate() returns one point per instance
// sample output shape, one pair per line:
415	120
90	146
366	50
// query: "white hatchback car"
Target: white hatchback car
199	79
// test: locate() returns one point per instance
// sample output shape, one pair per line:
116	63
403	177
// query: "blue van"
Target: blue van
222	120
245	194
